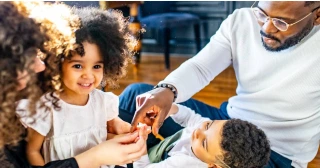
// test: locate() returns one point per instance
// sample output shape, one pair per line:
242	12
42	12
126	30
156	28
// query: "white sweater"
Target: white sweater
277	91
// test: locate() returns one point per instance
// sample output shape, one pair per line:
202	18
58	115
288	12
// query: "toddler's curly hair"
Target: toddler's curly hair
244	145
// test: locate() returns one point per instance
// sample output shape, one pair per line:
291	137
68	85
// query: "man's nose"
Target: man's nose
268	27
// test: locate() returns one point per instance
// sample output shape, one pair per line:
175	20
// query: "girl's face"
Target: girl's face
82	74
23	77
206	140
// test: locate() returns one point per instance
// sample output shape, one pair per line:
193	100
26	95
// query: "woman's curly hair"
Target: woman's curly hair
244	145
31	29
20	40
109	30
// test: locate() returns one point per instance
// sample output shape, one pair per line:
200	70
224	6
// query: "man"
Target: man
274	50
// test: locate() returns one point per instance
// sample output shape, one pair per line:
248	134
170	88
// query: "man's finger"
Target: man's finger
158	122
140	100
139	115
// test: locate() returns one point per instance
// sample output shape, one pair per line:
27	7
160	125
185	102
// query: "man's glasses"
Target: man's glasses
278	23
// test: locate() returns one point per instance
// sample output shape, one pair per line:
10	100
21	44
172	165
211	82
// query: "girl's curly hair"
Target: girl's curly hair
20	40
109	30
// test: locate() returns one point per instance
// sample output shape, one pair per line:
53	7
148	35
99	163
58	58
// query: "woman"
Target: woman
21	40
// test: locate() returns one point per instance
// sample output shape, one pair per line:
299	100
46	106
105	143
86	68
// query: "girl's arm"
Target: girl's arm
35	141
118	126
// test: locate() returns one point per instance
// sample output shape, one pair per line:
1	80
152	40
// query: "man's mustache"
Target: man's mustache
269	36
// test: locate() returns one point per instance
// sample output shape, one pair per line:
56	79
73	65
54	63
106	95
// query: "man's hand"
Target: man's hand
153	108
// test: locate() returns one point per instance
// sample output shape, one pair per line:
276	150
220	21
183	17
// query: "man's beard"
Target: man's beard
291	41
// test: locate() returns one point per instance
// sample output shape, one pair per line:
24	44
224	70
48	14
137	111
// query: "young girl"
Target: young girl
82	116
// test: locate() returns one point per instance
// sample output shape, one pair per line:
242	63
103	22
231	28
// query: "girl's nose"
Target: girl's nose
87	74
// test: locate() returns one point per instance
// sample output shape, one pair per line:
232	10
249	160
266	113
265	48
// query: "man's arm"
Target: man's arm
198	71
189	78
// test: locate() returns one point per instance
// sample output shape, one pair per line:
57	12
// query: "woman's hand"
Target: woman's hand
153	108
117	151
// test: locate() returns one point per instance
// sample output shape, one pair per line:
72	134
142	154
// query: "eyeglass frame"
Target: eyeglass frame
272	19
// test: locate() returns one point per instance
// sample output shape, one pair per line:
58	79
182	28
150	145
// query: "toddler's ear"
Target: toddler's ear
213	166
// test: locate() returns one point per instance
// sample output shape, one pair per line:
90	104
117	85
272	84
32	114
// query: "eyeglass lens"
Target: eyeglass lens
279	24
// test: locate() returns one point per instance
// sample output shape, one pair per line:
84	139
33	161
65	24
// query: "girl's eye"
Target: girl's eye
97	66
77	66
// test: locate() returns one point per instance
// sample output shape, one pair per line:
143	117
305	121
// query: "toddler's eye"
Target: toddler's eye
207	126
77	66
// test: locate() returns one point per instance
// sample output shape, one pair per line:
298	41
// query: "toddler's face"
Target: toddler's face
206	140
82	74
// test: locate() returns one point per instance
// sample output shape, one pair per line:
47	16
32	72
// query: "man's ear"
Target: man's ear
317	19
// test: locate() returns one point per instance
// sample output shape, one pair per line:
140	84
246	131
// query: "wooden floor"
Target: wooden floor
151	70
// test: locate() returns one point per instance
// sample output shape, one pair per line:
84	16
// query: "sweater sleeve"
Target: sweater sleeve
186	117
41	121
67	163
197	72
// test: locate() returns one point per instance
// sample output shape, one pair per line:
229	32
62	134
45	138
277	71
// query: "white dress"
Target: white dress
74	129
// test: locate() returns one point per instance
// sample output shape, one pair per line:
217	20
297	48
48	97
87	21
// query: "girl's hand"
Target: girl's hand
118	126
123	149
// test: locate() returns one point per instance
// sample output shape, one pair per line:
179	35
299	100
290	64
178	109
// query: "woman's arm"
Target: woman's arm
35	141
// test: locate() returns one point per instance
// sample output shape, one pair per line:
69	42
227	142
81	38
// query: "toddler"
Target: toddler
208	143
